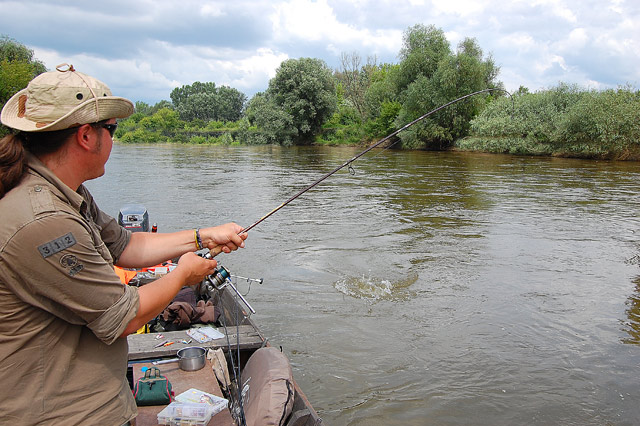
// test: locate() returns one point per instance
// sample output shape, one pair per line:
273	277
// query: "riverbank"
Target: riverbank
487	145
529	146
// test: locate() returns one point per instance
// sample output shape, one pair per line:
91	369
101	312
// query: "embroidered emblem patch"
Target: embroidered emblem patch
68	261
71	262
57	245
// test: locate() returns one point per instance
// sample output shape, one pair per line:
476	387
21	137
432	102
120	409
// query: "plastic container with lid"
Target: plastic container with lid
185	414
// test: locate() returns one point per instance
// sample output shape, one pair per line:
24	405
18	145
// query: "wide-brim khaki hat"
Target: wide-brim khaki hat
61	99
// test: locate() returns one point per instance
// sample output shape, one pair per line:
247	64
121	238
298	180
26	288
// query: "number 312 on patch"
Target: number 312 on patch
57	245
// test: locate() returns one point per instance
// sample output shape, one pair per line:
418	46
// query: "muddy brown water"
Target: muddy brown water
426	288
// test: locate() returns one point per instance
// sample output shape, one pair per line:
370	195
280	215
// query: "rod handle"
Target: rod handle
218	249
214	252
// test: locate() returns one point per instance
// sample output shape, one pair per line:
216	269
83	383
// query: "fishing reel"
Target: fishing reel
221	278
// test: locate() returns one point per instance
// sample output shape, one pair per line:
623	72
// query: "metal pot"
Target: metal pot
189	359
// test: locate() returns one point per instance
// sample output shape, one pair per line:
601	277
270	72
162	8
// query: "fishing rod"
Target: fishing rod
218	250
220	278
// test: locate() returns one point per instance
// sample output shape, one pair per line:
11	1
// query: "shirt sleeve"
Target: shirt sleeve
57	266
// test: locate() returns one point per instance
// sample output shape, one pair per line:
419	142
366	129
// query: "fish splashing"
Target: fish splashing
373	288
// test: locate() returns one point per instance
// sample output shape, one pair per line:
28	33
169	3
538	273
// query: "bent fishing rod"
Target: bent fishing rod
217	250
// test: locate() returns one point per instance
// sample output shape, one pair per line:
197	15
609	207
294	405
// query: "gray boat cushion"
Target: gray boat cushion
269	380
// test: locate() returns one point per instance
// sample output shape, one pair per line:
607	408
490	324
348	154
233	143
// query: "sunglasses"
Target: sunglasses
111	128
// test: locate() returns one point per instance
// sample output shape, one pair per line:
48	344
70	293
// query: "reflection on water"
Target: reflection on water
632	326
428	288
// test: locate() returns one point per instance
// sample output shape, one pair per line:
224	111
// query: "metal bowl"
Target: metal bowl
192	358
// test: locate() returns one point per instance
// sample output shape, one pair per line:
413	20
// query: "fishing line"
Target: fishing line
513	109
236	375
380	142
348	163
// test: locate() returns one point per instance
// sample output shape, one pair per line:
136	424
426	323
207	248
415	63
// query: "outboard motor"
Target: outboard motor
134	217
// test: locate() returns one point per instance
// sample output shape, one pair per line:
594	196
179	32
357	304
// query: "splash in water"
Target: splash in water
374	288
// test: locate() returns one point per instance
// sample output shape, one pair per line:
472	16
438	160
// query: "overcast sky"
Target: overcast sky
143	49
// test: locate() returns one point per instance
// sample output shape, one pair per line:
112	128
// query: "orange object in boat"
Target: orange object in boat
125	275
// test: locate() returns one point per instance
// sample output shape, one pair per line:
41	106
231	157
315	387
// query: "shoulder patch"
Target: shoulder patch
57	245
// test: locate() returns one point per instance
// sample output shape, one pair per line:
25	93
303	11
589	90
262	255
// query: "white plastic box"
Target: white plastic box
185	414
192	408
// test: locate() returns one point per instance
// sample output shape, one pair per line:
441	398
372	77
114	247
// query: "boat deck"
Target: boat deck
142	346
204	380
142	352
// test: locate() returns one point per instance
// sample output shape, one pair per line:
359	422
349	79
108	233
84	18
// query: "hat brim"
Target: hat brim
108	107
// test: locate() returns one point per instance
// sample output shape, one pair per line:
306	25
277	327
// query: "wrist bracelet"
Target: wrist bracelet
195	239
198	240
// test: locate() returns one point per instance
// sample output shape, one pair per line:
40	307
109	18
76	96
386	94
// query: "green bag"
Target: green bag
152	389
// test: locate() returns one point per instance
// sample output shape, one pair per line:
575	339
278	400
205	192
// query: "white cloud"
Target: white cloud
519	41
148	47
573	43
211	9
550	61
463	8
134	79
559	8
307	20
316	22
252	70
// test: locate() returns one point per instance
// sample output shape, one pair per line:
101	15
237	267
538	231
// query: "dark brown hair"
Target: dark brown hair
14	147
13	153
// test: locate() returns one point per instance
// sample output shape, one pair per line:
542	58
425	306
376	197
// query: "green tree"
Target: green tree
565	120
423	47
143	108
18	67
383	89
455	75
231	104
205	101
304	90
273	124
384	123
14	76
161	105
13	51
355	79
605	119
181	94
198	106
161	126
164	120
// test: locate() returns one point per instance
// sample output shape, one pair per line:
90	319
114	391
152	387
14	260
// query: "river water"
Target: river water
426	288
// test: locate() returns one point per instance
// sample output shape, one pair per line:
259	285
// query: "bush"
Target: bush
198	140
609	119
565	121
383	124
141	135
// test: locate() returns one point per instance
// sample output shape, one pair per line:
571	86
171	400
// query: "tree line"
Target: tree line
363	100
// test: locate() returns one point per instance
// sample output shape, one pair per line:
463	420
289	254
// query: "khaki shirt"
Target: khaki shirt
62	307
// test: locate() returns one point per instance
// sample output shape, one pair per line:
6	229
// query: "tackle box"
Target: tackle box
185	414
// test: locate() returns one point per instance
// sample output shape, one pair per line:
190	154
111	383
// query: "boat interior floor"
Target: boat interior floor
146	348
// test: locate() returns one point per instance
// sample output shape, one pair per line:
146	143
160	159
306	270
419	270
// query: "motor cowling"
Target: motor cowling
134	217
